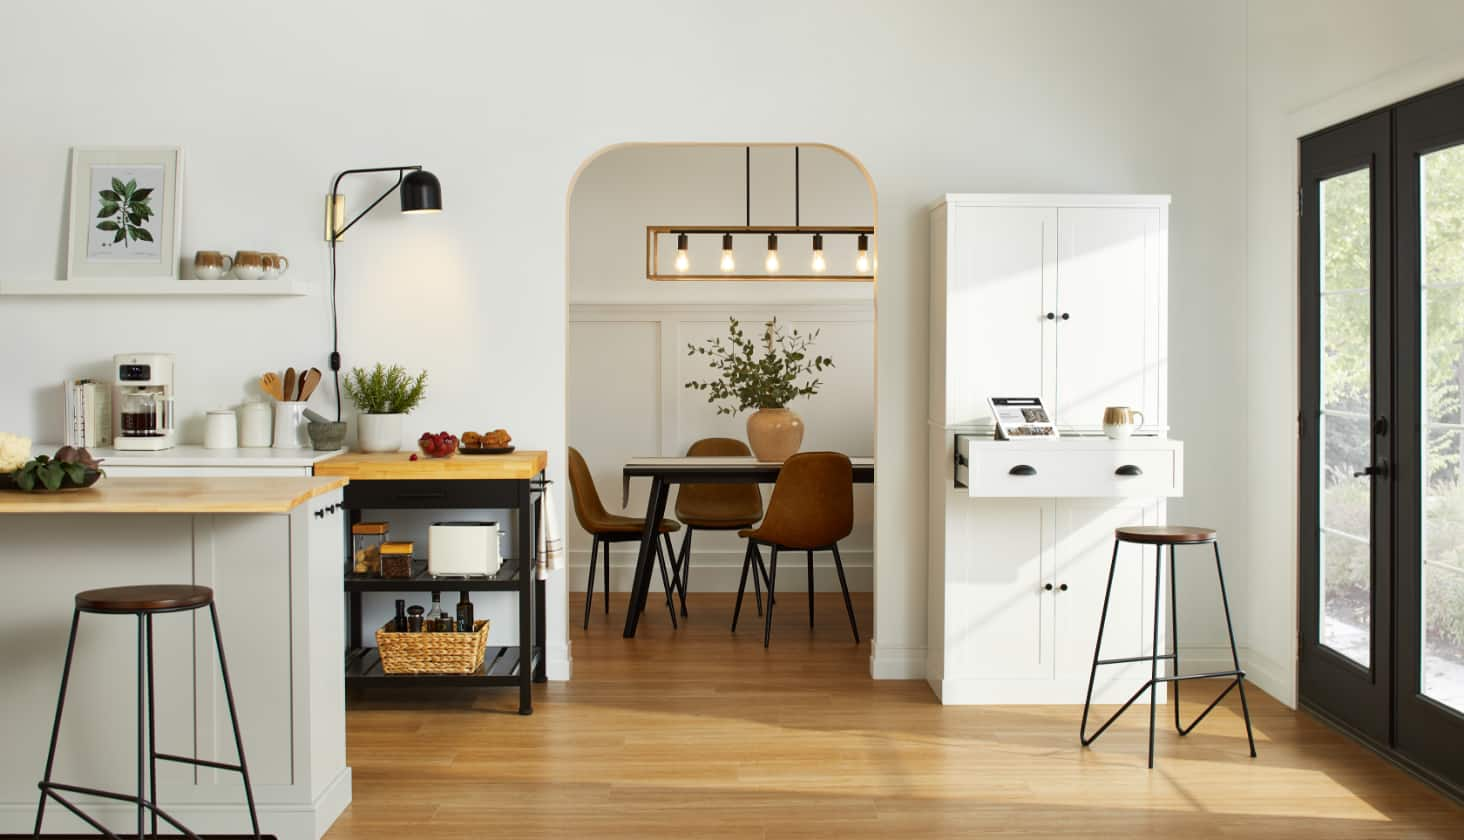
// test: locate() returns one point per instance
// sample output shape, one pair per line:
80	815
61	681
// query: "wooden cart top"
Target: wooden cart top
397	466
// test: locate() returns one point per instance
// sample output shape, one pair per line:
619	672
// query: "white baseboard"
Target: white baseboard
887	662
1266	673
560	663
287	821
1071	692
720	571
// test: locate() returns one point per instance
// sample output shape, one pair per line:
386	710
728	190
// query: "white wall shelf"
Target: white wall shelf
286	286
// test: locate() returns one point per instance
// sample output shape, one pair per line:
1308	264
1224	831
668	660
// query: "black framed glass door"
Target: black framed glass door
1347	396
1382	457
1429	696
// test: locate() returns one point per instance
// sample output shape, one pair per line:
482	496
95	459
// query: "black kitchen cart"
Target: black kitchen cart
392	481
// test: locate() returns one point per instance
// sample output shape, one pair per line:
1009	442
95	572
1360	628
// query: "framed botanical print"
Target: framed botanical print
126	206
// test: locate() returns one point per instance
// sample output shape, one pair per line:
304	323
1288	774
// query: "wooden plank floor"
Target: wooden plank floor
699	733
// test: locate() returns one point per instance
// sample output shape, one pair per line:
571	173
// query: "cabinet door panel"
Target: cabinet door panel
999	617
1084	552
998	339
1108	285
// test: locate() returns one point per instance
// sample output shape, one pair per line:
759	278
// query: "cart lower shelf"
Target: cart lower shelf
501	667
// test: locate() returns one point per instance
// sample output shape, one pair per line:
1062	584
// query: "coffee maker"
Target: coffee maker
142	407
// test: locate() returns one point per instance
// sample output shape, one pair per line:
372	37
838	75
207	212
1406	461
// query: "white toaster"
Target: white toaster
463	549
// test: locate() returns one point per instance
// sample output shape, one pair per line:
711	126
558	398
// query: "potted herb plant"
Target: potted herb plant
383	395
783	371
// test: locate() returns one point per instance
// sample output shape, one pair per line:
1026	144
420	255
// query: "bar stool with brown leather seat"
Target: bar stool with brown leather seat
607	528
812	508
143	602
1160	536
714	507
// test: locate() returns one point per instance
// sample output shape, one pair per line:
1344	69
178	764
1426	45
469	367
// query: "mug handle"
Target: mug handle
284	264
1140	421
228	263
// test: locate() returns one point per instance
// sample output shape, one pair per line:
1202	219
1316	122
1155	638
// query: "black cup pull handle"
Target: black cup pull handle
1022	469
1128	469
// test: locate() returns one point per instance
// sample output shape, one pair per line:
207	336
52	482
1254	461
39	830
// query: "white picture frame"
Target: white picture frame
1022	418
116	242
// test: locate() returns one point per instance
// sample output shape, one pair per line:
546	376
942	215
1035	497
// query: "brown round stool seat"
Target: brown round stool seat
155	598
1164	534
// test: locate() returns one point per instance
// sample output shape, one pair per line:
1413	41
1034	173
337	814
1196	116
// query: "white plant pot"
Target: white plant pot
379	432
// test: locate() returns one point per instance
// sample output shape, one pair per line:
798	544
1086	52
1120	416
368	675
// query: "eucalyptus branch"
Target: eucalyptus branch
784	371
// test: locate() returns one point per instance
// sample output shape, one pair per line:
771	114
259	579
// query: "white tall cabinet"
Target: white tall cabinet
1063	297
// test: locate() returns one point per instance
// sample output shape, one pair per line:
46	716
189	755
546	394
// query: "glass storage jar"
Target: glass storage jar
396	560
366	541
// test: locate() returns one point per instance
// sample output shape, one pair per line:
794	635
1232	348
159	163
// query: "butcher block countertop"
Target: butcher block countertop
397	466
175	495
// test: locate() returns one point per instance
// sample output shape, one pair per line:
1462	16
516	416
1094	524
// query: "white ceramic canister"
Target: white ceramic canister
220	429
289	426
255	424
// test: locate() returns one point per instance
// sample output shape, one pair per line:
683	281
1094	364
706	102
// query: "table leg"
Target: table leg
541	634
527	578
645	558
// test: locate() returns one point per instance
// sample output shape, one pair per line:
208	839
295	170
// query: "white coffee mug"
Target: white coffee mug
289	426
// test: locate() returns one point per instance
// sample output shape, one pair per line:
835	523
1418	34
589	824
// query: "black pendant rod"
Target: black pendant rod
797	197
747	169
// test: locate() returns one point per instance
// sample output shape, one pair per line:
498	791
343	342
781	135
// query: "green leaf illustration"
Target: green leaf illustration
110	195
118	186
141	233
107	225
107	210
142	194
130	186
121	235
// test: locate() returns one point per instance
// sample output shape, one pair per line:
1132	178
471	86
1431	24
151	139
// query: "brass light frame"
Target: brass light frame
655	232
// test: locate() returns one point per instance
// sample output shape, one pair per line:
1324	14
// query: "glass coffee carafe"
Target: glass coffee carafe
146	414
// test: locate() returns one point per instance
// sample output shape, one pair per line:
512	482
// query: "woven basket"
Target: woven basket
432	653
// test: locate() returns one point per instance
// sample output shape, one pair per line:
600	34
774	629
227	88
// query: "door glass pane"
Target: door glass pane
1442	379
1345	541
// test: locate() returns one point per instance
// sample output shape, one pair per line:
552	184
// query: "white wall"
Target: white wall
627	335
504	102
1311	65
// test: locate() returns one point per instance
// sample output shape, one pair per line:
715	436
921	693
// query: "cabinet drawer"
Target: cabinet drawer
1003	470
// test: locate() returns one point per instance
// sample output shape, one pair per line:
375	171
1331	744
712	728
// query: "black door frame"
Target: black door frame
1417	733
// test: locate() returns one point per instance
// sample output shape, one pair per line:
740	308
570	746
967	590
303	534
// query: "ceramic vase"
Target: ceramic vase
774	433
379	432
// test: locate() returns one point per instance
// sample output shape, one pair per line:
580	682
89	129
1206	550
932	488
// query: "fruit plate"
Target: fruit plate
485	450
7	482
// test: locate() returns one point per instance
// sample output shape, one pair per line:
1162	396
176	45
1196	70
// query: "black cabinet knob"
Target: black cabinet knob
1047	587
1022	469
1062	588
1052	316
1066	316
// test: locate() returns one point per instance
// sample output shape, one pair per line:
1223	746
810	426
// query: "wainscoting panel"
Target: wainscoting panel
628	366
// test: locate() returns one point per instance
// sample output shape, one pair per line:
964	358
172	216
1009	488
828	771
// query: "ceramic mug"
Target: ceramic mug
211	265
274	265
1120	421
248	265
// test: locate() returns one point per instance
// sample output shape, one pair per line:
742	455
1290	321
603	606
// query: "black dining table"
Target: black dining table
664	472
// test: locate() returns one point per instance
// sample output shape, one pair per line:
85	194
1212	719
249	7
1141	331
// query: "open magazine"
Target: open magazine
1021	417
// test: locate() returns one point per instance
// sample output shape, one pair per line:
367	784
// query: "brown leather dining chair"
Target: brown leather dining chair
714	507
607	528
812	508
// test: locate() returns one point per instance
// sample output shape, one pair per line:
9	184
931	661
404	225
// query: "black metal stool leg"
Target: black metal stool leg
141	711
1234	654
810	589
152	729
56	726
772	586
1174	639
234	719
1097	649
844	585
590	584
675	571
1154	650
605	544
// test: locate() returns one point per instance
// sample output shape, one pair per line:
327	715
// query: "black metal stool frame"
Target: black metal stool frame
145	769
1152	685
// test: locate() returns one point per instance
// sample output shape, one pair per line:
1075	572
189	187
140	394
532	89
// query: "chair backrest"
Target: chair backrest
813	501
587	506
719	502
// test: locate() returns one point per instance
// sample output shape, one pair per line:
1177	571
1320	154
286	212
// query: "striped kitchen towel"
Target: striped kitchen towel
551	544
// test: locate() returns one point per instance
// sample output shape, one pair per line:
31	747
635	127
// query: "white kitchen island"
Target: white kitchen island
271	549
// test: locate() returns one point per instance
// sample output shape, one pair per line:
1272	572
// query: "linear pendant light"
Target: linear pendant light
772	263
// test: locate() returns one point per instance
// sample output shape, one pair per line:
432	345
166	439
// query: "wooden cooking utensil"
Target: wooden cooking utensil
289	389
308	382
271	384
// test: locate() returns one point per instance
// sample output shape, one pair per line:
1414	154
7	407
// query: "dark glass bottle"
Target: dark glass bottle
464	613
414	618
399	624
